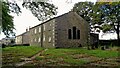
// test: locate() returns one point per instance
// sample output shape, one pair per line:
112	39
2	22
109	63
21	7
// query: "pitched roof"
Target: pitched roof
51	19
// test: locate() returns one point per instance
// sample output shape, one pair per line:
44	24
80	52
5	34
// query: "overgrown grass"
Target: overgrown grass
96	53
64	56
11	55
67	55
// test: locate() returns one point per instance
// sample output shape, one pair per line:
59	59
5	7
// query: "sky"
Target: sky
26	18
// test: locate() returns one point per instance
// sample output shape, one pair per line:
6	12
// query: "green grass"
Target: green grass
64	56
67	55
14	54
75	61
96	53
26	51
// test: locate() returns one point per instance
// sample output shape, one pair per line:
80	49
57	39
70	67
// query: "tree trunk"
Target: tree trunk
118	37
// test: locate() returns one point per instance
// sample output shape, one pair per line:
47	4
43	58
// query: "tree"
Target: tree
7	20
0	16
103	16
111	18
84	9
41	10
89	11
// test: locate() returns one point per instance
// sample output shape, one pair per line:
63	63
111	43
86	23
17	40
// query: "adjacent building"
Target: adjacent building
8	41
23	38
18	39
94	39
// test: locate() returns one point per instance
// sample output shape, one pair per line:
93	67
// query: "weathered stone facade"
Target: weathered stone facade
70	21
43	34
67	30
18	39
54	32
23	38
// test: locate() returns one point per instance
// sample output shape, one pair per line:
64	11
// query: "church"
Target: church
64	31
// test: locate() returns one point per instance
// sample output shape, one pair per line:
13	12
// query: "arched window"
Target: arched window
69	34
74	32
78	34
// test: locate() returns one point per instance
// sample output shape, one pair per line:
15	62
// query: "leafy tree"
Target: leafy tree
111	18
84	9
7	20
88	10
0	16
103	16
41	10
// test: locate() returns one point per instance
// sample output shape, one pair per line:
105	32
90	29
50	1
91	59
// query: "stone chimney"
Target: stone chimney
26	29
29	28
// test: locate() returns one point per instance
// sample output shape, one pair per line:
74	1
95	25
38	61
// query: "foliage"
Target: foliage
110	11
0	16
41	10
100	14
103	16
7	20
83	9
86	10
7	24
111	18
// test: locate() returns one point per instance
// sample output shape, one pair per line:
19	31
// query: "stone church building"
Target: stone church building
67	30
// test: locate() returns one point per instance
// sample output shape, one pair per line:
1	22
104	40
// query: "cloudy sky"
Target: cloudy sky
26	19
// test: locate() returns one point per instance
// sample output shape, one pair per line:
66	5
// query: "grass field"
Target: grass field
59	57
11	55
75	56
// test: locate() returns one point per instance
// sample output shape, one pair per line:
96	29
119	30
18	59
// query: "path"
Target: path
28	60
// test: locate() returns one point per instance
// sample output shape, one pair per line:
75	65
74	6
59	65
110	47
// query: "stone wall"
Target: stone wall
35	36
43	35
18	39
54	32
68	21
25	38
49	34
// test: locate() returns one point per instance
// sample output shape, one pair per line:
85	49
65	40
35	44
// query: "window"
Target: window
39	29
35	31
49	39
35	39
74	32
44	38
69	34
44	27
78	34
50	24
39	40
53	30
53	44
